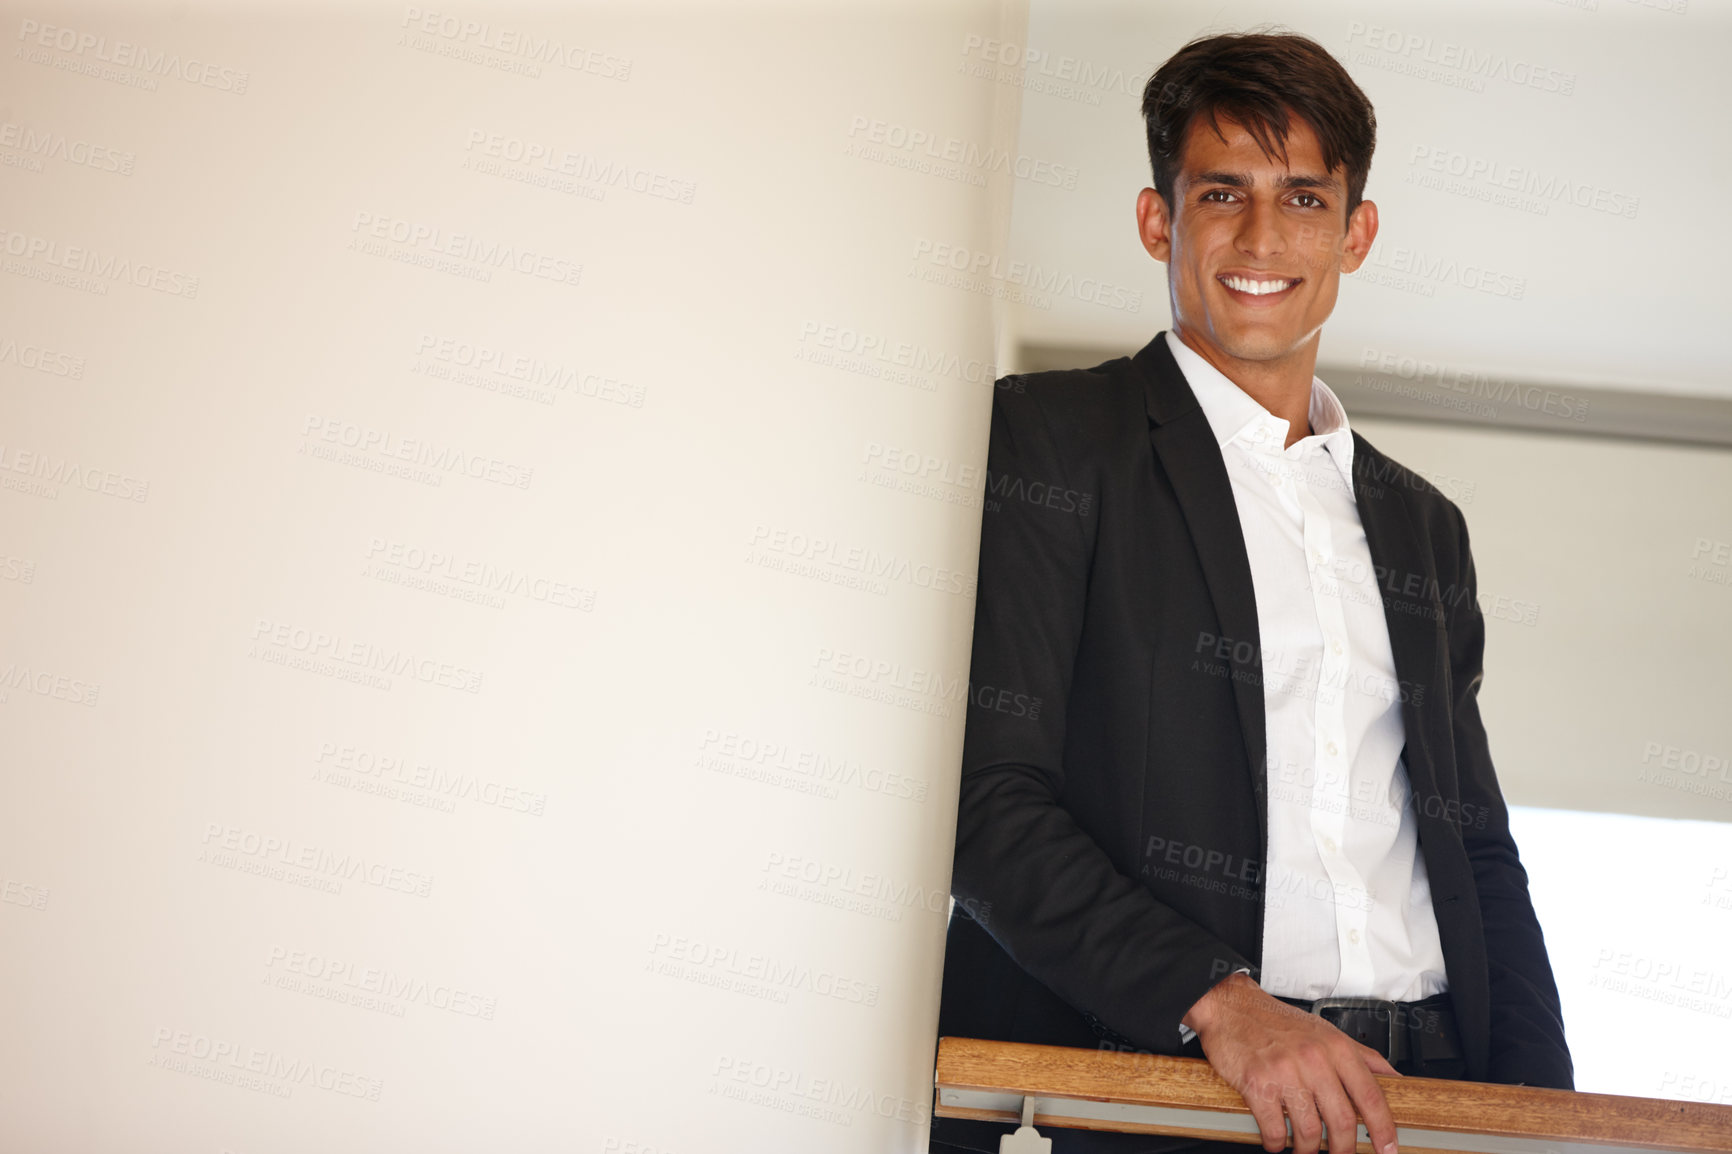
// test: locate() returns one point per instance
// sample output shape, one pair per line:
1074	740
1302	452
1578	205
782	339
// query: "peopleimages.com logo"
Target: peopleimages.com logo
980	271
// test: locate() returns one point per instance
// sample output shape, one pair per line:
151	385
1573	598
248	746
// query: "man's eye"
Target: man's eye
1317	203
1215	192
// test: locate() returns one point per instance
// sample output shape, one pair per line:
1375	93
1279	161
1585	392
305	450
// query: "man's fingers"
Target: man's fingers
1265	1102
1338	1115
1368	1099
1302	1113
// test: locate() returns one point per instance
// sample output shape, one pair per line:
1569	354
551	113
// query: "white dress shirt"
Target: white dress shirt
1347	902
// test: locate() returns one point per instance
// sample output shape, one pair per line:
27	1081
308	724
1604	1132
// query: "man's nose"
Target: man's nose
1260	234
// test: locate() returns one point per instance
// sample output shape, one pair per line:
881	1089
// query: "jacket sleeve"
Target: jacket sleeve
1036	881
1527	1028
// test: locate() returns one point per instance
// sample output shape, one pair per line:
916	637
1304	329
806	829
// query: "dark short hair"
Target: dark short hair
1261	80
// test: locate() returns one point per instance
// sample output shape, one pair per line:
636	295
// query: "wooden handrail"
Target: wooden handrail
1156	1094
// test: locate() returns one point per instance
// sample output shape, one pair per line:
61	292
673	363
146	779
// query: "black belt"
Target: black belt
1422	1031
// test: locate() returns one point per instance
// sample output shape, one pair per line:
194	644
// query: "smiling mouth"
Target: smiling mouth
1259	286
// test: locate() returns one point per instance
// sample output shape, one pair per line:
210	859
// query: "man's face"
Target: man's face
1254	248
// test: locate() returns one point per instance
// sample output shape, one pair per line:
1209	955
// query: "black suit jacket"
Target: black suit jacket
1115	588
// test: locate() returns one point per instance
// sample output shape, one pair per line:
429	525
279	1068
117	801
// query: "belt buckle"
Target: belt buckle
1321	1004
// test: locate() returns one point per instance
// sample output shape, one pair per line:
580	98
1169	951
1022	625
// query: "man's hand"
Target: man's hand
1282	1059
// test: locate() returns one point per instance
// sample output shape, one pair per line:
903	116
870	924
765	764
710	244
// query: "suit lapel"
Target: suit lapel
1186	447
1413	610
1407	582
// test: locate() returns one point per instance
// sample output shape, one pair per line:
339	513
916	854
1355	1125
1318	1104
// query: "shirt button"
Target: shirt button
1329	844
1336	646
1353	936
1332	750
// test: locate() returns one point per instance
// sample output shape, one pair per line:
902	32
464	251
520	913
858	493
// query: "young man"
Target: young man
1258	777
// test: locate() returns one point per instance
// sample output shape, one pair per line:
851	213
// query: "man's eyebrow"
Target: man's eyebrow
1291	181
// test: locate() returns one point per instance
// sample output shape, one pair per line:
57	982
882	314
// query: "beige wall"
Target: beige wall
475	676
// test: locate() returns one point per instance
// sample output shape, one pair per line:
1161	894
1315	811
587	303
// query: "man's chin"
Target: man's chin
1253	346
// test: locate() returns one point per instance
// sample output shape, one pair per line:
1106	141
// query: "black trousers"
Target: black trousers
1066	1141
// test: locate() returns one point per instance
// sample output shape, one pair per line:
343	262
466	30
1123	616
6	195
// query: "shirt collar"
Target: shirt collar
1234	416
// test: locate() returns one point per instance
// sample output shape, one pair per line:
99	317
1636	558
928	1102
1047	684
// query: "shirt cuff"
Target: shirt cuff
1185	1032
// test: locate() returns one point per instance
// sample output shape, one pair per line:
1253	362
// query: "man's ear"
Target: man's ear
1154	225
1361	231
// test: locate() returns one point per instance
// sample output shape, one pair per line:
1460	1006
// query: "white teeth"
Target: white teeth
1257	287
